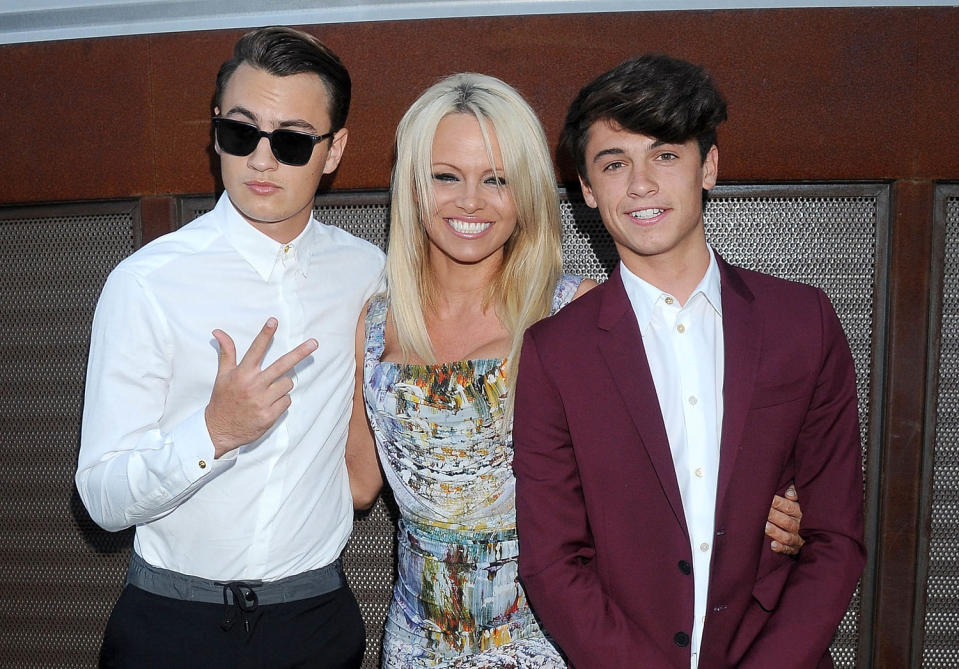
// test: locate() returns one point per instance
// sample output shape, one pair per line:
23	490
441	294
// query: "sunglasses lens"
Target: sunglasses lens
292	148
238	139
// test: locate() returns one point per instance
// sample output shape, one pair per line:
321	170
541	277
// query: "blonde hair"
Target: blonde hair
522	292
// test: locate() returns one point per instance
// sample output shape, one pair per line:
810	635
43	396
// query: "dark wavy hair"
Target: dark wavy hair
283	51
655	95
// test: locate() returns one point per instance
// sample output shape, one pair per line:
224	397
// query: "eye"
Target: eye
667	156
614	166
495	181
445	177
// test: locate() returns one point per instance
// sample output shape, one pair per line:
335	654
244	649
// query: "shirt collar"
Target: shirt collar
256	248
644	295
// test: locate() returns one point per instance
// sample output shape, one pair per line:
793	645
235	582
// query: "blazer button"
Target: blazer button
681	639
685	567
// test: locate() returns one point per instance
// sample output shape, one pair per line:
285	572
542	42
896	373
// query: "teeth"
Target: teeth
468	227
646	213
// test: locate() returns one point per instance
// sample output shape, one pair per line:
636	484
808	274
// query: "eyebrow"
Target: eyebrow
451	166
616	151
291	123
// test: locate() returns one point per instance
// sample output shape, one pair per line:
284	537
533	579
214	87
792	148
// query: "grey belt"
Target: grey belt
168	583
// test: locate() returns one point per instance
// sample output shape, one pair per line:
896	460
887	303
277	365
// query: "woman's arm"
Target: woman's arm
361	462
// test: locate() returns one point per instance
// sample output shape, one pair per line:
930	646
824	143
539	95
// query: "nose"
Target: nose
470	198
642	182
262	158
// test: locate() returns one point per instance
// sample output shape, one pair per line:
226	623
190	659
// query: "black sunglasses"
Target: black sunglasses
290	147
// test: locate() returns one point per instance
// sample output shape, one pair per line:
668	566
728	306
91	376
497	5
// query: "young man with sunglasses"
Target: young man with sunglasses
657	414
219	391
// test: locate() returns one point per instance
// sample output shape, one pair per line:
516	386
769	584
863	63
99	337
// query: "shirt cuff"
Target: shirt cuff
195	449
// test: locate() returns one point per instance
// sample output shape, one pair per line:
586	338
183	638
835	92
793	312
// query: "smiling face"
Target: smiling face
649	194
474	214
275	198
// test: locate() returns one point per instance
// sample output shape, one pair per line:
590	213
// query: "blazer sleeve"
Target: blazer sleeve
557	563
828	475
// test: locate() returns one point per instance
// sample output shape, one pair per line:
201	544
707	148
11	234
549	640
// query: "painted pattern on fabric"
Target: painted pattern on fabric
457	600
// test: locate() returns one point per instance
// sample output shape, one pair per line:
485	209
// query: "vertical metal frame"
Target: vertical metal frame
943	194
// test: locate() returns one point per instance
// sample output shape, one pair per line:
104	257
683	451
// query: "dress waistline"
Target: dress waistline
459	546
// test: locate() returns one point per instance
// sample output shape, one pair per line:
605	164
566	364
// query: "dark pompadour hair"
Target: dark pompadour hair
659	96
283	51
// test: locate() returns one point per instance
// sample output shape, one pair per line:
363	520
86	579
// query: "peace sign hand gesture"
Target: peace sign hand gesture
247	400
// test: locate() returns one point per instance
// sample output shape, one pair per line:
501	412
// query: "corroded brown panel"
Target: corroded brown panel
821	94
75	120
936	146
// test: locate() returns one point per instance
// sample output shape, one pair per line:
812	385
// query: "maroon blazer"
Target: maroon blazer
604	549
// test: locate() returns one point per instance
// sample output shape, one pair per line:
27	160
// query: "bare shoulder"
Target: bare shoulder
584	287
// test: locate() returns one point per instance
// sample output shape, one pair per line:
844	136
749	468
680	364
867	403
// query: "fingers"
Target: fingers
783	536
783	520
261	343
783	541
289	360
254	355
226	358
787	507
777	547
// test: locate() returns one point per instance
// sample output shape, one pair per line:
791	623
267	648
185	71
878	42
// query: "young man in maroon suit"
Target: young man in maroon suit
657	415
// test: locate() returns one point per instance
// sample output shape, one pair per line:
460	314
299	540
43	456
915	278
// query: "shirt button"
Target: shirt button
692	400
681	328
681	639
669	300
704	547
699	472
685	567
202	464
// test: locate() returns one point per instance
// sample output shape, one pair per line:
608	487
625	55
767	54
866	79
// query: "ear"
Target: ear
711	168
337	146
587	193
216	144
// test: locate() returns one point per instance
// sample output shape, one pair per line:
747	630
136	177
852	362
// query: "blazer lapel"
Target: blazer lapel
621	346
742	344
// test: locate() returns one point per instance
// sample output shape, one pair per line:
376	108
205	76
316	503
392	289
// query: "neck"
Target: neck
460	287
676	276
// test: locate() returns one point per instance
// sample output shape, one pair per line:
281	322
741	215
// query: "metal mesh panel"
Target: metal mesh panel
59	573
828	241
941	638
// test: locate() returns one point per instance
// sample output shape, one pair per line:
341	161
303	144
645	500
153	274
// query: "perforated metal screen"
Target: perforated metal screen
59	574
941	639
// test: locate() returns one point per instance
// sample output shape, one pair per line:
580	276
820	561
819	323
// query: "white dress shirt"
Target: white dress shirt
273	508
684	347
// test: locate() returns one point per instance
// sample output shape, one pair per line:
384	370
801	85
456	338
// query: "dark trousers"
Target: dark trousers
147	631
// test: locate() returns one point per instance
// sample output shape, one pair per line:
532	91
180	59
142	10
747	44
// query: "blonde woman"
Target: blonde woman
474	259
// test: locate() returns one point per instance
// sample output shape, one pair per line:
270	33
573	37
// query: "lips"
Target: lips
262	187
468	228
646	214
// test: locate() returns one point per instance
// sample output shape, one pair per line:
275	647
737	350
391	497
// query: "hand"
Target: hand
783	526
246	400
